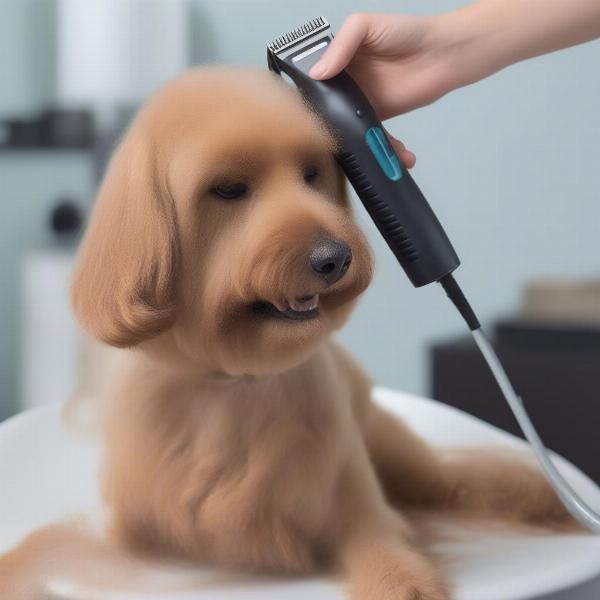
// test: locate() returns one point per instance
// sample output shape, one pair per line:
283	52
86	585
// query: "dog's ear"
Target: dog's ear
123	290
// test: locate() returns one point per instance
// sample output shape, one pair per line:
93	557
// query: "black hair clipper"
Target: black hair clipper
384	186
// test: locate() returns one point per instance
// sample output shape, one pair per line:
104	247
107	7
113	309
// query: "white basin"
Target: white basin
49	473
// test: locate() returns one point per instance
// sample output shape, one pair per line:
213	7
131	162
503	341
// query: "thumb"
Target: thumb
342	48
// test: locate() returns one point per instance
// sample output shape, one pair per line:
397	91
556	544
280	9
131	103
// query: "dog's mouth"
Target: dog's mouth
293	309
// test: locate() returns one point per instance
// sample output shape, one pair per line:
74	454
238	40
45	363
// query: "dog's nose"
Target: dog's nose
330	260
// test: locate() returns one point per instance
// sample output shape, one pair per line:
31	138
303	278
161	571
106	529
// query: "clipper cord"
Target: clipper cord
576	506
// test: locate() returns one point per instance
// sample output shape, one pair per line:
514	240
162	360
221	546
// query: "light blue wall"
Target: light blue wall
511	165
30	183
27	42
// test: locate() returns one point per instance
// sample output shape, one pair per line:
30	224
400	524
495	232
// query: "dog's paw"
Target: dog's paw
528	498
411	588
405	575
402	588
546	509
504	486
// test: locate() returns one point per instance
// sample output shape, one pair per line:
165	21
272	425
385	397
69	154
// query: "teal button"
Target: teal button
384	153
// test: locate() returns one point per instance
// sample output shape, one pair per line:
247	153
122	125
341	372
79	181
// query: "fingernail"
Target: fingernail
318	70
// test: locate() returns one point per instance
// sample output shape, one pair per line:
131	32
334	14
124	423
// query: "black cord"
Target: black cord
457	297
571	500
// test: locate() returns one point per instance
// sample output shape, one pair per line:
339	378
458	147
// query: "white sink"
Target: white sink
49	473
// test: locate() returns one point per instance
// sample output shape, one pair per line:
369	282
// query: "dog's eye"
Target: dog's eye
230	191
310	174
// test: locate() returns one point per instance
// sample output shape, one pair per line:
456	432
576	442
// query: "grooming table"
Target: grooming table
48	473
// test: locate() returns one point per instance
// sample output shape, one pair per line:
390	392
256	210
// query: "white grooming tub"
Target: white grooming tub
48	473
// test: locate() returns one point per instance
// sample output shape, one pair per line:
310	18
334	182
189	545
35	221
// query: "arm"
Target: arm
492	34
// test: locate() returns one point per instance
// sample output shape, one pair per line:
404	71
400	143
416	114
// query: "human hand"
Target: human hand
401	62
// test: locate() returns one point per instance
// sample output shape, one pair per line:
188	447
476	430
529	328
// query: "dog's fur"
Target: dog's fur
235	437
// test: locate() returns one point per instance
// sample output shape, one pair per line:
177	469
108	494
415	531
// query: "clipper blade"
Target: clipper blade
296	36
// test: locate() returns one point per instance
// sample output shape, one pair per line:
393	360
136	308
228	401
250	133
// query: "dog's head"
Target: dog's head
222	229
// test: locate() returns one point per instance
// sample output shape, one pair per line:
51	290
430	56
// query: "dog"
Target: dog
222	252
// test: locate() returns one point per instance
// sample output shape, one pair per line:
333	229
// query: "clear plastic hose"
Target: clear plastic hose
569	497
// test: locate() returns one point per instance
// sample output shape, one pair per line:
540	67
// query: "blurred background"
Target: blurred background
511	166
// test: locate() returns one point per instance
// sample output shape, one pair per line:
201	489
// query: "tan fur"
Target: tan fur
237	439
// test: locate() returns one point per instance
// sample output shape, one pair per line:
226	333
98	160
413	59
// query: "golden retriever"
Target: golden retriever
223	252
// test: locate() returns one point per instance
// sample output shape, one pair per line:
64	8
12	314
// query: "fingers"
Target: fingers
343	47
407	158
341	50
